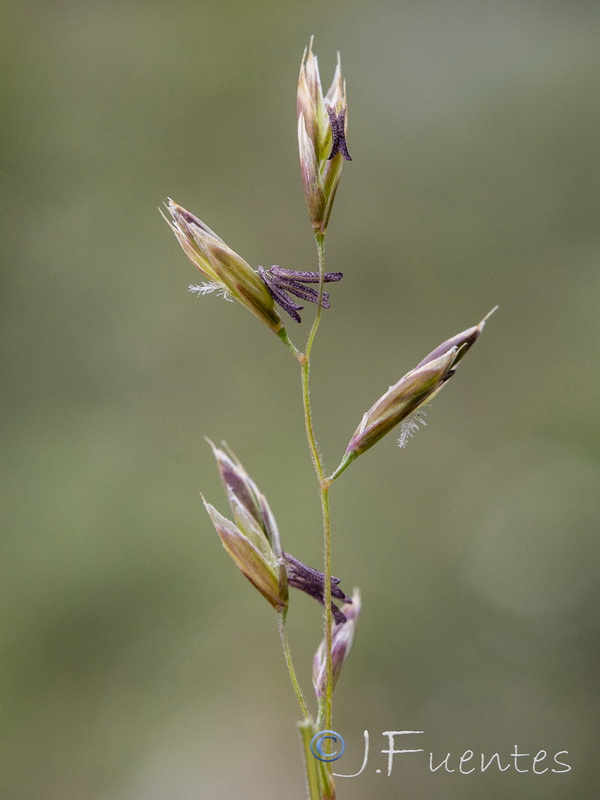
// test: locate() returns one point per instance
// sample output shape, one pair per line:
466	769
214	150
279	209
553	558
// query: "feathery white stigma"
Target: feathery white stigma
209	288
410	426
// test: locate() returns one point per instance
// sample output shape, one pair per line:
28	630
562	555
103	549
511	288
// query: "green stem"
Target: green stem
346	461
319	782
311	765
325	705
281	622
320	238
283	335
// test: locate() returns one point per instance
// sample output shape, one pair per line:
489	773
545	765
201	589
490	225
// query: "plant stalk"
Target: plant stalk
310	762
319	782
325	703
281	622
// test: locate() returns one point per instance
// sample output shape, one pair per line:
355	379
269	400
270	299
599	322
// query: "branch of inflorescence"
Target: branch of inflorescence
325	703
324	714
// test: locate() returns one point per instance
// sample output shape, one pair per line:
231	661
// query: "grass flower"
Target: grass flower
226	271
254	556
322	123
402	401
342	638
254	544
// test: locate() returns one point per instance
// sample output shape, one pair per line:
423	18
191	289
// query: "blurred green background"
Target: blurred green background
137	663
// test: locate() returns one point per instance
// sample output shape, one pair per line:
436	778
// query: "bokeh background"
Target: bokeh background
137	663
